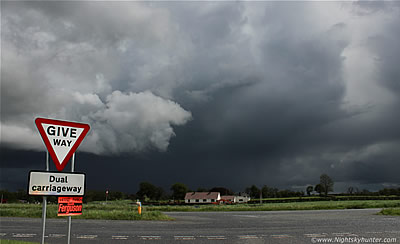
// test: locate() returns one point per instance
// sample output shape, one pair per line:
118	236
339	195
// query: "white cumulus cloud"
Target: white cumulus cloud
134	122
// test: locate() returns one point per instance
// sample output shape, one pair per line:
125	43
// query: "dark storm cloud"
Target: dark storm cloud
291	123
388	57
265	92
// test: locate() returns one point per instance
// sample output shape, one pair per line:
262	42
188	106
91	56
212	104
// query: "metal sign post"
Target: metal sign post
44	208
61	138
69	217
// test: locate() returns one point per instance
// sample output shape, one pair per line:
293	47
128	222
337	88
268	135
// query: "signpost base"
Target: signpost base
44	209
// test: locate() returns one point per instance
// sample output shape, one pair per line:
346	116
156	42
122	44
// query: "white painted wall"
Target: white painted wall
208	200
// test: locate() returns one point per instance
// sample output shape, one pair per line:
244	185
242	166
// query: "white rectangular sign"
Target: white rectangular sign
42	183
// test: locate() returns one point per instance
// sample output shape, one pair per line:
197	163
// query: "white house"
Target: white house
202	197
242	199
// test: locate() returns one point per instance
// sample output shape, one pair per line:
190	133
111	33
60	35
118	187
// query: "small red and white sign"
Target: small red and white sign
69	206
61	138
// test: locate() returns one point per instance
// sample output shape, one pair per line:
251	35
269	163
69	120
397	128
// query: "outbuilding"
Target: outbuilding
235	199
202	197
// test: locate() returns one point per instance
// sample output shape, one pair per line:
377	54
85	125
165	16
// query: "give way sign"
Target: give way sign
61	138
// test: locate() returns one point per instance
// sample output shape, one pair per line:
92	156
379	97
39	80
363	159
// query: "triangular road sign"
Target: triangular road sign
61	138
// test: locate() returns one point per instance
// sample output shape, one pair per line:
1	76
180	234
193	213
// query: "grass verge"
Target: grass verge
320	205
119	210
390	211
125	210
15	242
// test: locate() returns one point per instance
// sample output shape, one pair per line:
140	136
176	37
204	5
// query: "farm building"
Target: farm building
202	197
213	197
242	199
228	199
235	199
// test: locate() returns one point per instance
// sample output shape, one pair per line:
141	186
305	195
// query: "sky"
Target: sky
205	93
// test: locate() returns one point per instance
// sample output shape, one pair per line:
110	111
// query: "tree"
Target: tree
327	183
253	191
389	191
318	188
350	190
309	189
179	190
274	192
147	190
160	194
266	191
365	192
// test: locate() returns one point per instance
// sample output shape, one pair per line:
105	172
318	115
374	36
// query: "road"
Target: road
217	227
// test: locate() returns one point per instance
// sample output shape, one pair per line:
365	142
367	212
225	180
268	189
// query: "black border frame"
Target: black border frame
56	172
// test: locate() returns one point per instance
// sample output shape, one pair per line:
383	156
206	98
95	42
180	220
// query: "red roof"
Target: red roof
230	198
202	195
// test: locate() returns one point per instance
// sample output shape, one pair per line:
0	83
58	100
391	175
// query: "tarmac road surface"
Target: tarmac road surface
321	226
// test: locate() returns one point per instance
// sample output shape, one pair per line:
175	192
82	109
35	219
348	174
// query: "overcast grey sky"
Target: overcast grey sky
206	93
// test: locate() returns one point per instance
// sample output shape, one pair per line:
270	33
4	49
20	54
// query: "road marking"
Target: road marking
342	234
86	236
57	235
281	236
214	237
247	216
150	237
185	238
17	235
119	237
3	234
374	232
248	237
316	235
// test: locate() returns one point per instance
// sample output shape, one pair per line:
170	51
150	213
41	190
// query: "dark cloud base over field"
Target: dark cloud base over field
209	94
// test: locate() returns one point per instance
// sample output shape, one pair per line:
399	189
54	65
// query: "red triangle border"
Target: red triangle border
61	165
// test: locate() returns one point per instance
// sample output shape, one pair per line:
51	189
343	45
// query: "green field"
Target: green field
390	211
319	205
15	242
118	210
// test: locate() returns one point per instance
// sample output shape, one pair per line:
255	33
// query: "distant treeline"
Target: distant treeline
90	196
149	192
338	197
